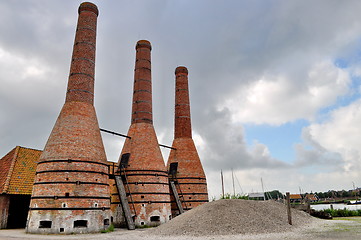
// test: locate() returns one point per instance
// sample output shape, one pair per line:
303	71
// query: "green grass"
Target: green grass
231	196
354	219
109	229
343	212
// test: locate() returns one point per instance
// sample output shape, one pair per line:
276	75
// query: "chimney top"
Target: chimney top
88	6
143	44
181	69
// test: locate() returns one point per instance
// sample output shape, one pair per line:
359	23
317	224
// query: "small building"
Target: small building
17	173
310	197
295	198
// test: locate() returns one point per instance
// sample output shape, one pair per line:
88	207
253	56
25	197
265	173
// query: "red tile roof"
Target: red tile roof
311	197
295	196
17	170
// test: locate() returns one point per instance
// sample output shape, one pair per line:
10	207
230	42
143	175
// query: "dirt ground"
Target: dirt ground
339	228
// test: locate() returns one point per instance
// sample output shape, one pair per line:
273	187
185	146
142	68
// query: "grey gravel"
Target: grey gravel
234	216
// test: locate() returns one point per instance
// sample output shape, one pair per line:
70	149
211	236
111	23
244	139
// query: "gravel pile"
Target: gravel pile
233	216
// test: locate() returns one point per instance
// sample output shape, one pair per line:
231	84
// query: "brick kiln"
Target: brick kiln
71	190
141	162
184	165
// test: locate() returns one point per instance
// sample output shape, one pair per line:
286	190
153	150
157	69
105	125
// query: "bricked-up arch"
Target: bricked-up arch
146	172
189	176
71	189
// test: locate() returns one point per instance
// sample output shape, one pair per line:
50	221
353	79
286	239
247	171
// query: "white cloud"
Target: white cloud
277	99
341	133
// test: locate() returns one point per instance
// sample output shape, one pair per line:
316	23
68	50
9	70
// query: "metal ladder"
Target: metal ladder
124	200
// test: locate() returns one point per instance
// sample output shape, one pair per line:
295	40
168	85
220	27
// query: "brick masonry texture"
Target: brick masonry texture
142	95
146	172
190	174
71	180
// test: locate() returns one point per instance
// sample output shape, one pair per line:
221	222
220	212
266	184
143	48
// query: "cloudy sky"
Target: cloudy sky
275	85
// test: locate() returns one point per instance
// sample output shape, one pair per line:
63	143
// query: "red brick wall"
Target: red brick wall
146	172
192	184
71	181
142	95
4	210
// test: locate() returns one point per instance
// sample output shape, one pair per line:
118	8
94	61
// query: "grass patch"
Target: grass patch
343	212
354	219
109	229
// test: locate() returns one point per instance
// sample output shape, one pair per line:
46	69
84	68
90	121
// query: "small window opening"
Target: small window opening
142	223
61	229
63	205
106	222
111	219
95	204
80	223
45	224
67	179
190	197
142	196
170	217
143	204
96	179
155	218
67	194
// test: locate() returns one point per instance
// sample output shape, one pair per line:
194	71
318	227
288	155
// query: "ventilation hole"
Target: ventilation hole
80	223
67	194
190	197
61	229
142	223
77	182
143	204
67	179
63	205
95	204
155	218
96	180
45	224
142	196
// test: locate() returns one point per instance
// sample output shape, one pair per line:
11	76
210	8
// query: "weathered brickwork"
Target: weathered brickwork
146	173
71	189
4	210
190	177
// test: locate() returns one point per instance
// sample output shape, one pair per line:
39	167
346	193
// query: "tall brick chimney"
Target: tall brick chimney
184	165
144	167
71	190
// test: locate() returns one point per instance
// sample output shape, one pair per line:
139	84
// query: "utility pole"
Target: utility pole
222	184
234	190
